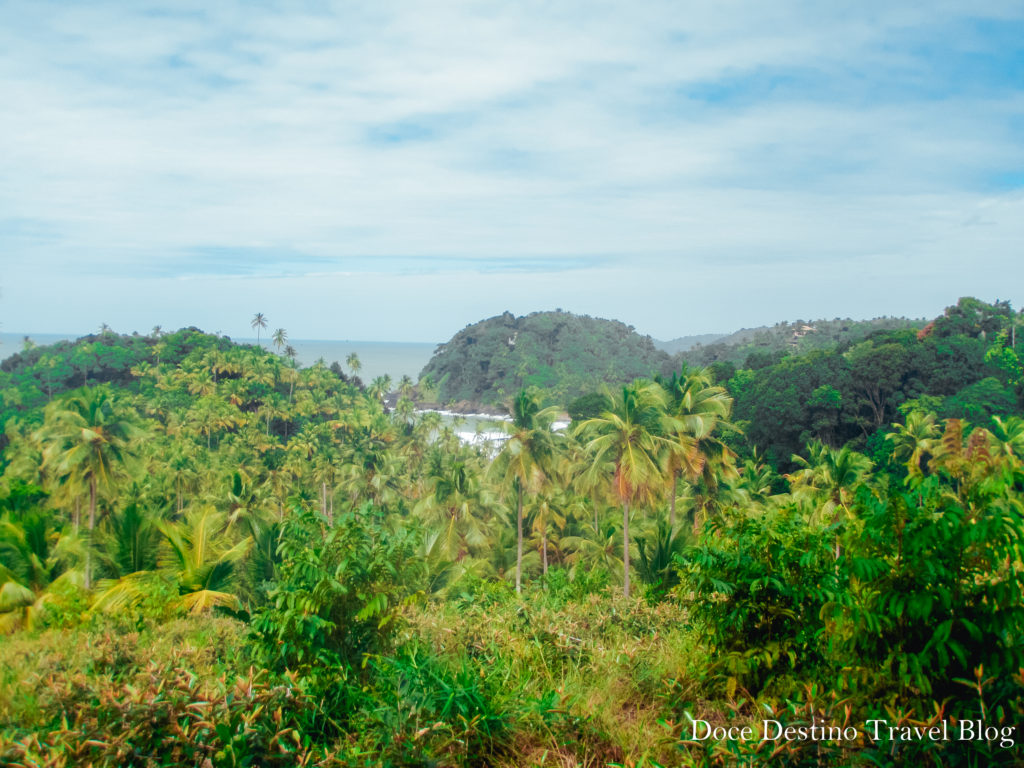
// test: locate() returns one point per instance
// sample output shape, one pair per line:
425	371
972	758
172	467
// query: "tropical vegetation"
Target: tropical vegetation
210	555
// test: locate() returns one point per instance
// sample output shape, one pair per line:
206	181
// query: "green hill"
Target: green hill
562	353
756	347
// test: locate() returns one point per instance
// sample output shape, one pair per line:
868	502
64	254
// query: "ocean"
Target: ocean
394	358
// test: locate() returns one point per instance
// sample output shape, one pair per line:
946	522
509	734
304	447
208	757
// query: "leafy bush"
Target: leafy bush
759	584
334	602
166	717
453	712
565	586
336	592
177	693
656	565
938	594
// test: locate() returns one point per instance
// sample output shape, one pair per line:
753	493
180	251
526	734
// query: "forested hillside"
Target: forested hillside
756	347
568	355
561	353
955	367
211	556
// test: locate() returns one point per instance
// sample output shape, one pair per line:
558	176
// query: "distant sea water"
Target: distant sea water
376	358
11	343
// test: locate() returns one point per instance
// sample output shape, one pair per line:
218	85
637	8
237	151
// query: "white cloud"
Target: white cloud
138	142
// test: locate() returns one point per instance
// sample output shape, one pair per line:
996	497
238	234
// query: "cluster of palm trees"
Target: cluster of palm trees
210	451
279	337
652	434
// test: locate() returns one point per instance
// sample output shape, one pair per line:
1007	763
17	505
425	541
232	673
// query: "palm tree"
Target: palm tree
588	482
86	438
630	436
33	556
129	543
658	549
698	409
352	361
426	388
832	476
595	547
451	511
179	463
201	382
380	387
313	454
290	376
210	414
1008	436
405	410
259	321
547	511
752	484
158	349
199	552
914	440
525	457
280	338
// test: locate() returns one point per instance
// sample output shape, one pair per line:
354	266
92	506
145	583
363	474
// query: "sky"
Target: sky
398	170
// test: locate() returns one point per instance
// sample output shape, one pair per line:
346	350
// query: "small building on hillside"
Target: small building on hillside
799	332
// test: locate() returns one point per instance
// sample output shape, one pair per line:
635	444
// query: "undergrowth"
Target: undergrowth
485	679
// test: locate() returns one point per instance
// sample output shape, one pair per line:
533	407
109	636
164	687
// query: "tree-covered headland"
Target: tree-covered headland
562	354
210	555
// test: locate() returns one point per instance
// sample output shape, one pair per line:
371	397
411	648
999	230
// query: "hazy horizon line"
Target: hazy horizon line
72	336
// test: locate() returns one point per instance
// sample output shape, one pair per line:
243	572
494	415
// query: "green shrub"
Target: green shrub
425	708
758	585
937	594
165	716
334	603
173	694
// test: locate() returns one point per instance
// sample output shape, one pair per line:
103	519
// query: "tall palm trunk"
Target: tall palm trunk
625	547
544	551
700	512
92	524
519	537
672	502
835	521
